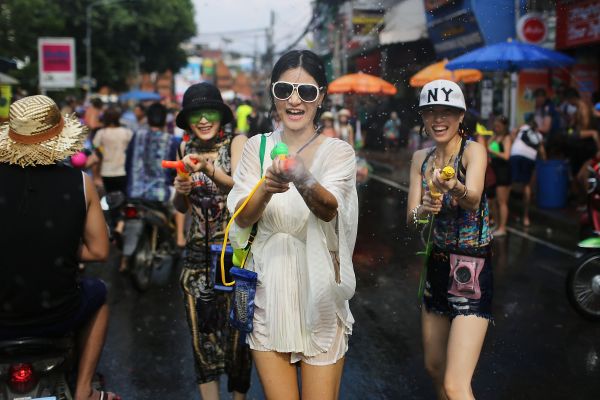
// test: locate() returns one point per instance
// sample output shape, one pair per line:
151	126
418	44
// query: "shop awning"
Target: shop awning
405	22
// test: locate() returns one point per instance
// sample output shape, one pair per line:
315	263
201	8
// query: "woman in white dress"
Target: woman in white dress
307	215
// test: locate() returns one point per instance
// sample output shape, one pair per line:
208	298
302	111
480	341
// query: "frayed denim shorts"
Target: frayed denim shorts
436	298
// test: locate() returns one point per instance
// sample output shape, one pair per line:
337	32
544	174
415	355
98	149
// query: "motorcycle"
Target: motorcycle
583	280
148	243
40	368
37	368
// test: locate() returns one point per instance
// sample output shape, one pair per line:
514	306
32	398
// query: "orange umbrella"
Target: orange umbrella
439	71
361	83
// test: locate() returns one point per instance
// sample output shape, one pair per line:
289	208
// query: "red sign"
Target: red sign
577	23
532	29
56	58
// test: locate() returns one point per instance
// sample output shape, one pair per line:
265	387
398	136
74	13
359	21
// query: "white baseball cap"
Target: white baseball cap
442	93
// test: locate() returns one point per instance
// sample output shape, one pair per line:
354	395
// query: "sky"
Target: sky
291	17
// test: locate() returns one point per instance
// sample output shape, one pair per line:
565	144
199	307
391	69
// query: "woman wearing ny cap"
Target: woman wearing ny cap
51	220
457	292
211	156
307	216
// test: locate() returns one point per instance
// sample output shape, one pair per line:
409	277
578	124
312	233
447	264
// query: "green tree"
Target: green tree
127	36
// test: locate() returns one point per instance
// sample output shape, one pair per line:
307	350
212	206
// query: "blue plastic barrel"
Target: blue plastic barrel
552	183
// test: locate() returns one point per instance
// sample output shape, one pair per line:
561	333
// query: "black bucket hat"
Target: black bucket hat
202	96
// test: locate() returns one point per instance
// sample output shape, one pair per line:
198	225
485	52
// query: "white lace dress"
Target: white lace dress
304	264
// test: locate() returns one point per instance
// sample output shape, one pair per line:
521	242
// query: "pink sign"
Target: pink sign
56	58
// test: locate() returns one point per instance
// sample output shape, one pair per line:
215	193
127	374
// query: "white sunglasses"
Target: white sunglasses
307	92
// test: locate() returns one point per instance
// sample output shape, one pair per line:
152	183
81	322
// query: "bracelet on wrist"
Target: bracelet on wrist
415	215
461	195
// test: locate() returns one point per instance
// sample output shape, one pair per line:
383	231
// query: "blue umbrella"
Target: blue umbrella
510	56
139	95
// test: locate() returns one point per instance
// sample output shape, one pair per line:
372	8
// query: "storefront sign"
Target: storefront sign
577	23
532	28
455	34
56	62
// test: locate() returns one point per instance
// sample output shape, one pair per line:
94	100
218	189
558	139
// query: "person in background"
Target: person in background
584	140
344	128
391	131
499	150
548	121
211	155
111	142
242	113
528	143
327	128
259	122
92	116
146	179
52	220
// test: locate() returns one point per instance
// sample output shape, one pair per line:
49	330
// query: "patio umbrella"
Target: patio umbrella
361	83
139	95
511	56
439	71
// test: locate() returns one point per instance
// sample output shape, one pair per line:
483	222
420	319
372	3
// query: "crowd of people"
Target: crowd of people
296	218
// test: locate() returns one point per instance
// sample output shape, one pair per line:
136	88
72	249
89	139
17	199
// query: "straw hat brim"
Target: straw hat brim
66	143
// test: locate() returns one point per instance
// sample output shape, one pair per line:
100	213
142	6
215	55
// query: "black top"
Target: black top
42	213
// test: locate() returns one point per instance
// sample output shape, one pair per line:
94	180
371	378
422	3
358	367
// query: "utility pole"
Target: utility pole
270	44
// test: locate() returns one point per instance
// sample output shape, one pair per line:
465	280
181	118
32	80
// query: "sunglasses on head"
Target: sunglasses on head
307	92
209	115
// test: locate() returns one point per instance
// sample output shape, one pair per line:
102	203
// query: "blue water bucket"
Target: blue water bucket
552	183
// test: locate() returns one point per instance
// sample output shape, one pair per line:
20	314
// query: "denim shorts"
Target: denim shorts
437	299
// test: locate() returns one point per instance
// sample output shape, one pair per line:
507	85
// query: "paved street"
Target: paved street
539	347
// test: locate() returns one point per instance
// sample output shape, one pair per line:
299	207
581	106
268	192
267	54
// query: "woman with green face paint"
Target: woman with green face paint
211	157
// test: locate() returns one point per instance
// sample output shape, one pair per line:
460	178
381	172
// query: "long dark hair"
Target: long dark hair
306	60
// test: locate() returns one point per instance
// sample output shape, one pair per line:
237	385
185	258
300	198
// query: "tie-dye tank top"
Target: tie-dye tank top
453	220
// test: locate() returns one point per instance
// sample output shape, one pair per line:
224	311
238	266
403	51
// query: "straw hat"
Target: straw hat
326	115
344	111
36	133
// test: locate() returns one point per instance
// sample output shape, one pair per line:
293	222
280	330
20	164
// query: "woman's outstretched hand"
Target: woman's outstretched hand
443	185
283	171
431	205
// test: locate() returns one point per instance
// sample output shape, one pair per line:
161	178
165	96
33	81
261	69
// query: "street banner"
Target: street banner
5	96
56	58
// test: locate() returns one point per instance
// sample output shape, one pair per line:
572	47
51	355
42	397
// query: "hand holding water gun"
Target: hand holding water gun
285	169
442	181
182	182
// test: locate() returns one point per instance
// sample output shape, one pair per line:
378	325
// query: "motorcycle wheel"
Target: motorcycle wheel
583	287
141	270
